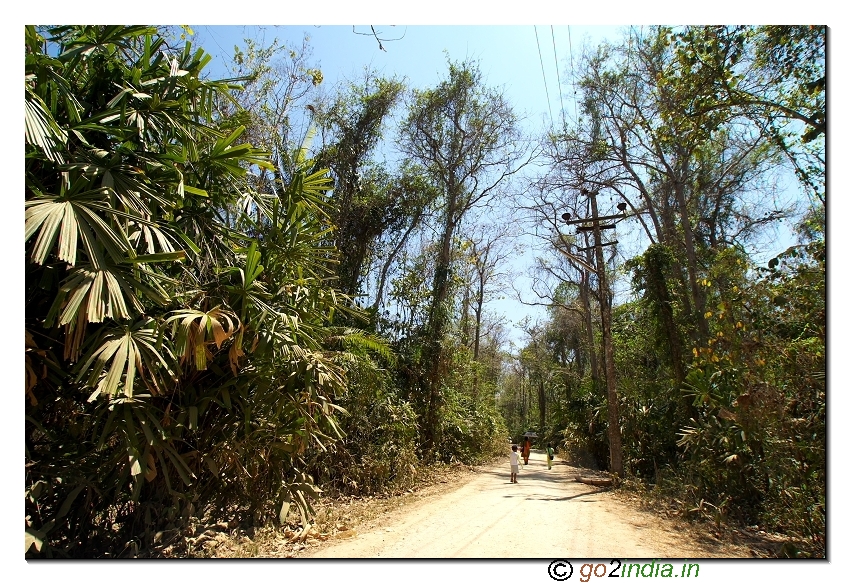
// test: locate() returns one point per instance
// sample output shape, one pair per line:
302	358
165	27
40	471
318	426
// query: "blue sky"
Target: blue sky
510	56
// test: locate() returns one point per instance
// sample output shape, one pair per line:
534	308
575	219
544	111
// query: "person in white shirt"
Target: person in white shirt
514	464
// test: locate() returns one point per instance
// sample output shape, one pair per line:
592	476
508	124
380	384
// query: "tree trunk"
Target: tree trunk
541	405
436	325
696	292
391	257
657	267
479	308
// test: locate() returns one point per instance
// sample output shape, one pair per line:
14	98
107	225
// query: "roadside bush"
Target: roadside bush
470	432
379	443
584	437
177	306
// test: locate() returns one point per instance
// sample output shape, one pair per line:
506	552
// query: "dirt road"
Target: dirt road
547	514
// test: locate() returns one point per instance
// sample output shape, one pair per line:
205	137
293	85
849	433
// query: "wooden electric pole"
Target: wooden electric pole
594	224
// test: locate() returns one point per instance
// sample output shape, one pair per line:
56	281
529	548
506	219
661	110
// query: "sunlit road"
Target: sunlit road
547	514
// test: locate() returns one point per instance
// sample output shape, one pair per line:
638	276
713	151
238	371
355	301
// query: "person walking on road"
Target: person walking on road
526	450
550	455
514	464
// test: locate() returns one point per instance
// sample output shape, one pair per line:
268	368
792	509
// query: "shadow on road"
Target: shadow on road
537	473
550	498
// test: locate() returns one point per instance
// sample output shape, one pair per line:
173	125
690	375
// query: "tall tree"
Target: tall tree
367	200
695	181
772	75
485	254
467	139
277	100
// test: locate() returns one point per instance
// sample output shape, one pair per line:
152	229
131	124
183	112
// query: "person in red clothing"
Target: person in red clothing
526	450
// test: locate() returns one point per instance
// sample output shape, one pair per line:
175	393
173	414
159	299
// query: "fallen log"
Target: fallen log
595	481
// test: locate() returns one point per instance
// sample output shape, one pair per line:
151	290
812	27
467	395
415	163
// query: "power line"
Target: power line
551	118
572	71
213	35
558	72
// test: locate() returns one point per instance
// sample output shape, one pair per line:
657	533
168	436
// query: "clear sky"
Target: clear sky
510	56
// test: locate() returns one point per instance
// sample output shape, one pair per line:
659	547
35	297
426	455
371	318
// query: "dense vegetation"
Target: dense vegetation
234	301
719	360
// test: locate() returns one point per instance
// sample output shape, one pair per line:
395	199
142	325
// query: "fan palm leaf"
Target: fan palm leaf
72	222
41	130
195	330
111	292
137	349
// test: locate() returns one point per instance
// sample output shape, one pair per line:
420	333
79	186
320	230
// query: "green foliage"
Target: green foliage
188	348
469	432
583	428
378	451
178	338
466	138
750	444
764	376
367	201
774	75
719	362
653	275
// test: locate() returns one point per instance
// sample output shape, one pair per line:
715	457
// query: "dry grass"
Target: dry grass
712	532
336	517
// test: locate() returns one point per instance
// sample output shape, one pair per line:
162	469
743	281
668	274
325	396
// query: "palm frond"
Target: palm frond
129	351
41	129
195	330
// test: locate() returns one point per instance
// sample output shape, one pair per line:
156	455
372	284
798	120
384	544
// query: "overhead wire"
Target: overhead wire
632	42
558	73
572	72
539	52
215	40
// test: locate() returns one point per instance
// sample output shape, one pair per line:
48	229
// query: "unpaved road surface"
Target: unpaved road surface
547	514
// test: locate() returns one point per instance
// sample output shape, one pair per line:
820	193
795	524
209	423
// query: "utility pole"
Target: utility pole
615	438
